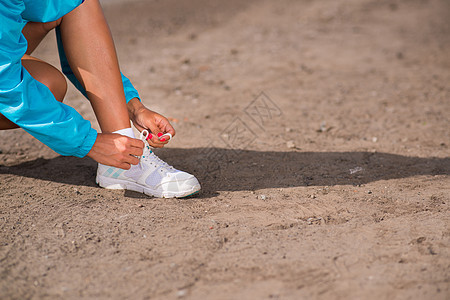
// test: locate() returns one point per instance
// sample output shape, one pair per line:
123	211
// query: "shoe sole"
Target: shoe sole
119	184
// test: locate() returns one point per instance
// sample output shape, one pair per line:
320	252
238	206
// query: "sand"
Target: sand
320	131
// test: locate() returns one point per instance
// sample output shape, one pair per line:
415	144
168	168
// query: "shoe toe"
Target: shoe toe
181	183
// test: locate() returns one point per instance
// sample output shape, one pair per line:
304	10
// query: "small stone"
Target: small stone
288	129
315	221
290	144
374	139
356	170
181	293
178	92
421	240
263	197
323	127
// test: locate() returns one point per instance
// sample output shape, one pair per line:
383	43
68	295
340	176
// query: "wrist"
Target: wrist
133	106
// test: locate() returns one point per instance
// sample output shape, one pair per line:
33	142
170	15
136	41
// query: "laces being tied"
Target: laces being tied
149	155
144	135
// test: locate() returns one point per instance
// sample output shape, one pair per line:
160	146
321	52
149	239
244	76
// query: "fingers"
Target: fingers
124	166
158	140
169	129
132	160
136	143
125	161
156	143
136	151
165	136
134	148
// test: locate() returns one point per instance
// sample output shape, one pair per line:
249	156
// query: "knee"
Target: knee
47	75
57	84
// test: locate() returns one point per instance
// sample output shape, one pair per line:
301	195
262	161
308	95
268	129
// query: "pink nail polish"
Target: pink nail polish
160	134
163	140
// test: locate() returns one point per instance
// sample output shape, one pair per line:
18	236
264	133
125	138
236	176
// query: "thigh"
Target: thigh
47	75
35	32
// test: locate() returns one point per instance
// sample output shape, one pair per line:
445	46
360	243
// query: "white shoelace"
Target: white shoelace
149	155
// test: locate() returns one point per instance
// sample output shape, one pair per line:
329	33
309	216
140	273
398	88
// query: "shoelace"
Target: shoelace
149	155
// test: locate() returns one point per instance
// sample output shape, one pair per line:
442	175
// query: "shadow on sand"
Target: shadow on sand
230	170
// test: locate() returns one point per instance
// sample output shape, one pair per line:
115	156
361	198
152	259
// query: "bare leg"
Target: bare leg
91	54
35	32
45	74
89	48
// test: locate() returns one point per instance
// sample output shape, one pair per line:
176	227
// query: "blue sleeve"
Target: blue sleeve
47	10
30	104
130	91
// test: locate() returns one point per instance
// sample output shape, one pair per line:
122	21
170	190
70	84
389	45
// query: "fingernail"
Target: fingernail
149	137
163	140
160	134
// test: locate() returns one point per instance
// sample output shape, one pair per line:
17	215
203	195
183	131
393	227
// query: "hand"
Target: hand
116	150
157	125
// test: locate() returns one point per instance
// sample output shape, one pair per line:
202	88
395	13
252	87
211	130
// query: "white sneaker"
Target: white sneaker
152	176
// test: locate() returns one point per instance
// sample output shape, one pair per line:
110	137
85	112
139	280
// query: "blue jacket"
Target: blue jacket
27	102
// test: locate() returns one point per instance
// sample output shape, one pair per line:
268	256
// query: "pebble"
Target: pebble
315	220
181	293
356	170
290	144
263	197
323	127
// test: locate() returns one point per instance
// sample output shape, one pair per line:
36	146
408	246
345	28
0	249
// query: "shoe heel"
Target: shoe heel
104	183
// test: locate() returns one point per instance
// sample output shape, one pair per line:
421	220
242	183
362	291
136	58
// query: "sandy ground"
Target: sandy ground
320	131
